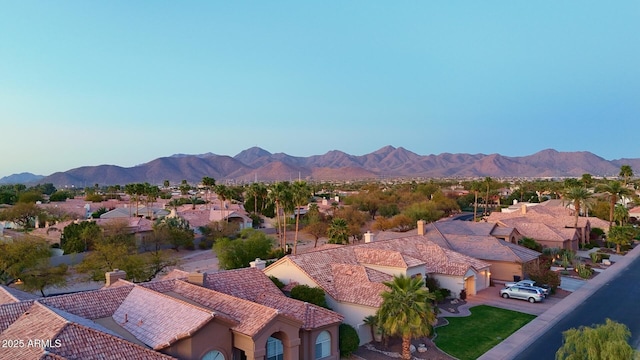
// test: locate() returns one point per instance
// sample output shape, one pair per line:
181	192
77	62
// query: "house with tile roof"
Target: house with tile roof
489	242
551	226
173	318
353	276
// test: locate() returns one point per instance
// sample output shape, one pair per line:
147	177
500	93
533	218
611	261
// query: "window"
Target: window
274	349
213	355
323	345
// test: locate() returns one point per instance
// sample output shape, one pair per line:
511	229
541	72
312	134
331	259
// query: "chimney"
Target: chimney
523	209
113	276
196	278
259	264
421	224
369	237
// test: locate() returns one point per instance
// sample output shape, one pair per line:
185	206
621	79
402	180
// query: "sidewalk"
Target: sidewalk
518	341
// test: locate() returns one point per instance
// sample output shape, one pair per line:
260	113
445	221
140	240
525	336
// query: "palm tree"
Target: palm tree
620	214
338	231
581	197
625	173
208	183
406	310
300	196
488	182
615	191
223	194
277	196
475	187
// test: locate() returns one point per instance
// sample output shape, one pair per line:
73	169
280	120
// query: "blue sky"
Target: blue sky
122	82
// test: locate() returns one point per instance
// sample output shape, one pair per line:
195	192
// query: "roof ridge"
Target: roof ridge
168	297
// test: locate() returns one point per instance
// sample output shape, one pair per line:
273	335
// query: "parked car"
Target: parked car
531	294
529	283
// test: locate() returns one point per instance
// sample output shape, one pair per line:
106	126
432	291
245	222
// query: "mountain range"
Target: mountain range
388	162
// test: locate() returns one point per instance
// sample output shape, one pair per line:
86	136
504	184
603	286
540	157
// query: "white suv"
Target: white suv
531	294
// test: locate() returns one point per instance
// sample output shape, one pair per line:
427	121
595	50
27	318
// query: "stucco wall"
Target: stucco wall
501	270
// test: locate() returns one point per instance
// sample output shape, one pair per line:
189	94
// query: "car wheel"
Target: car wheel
505	295
532	300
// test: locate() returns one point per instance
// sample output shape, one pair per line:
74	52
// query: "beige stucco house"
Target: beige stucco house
352	276
180	317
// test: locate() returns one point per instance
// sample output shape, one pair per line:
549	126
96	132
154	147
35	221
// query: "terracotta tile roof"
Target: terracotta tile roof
11	312
79	342
70	336
540	231
90	304
312	316
250	317
381	257
247	283
9	295
482	246
37	322
159	320
352	284
342	276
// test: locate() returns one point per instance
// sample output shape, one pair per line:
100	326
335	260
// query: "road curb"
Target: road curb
521	339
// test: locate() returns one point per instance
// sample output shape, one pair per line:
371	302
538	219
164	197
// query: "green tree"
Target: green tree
586	180
175	231
312	295
238	253
338	231
80	237
608	341
23	214
406	310
488	183
615	191
626	173
348	340
316	224
621	235
16	257
43	275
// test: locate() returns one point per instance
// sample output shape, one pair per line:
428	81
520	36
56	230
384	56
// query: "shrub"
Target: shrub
348	340
604	256
595	257
531	244
276	281
583	271
312	295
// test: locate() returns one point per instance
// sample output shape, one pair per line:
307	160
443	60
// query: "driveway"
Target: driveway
491	296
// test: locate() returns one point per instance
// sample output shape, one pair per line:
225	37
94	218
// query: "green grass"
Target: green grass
469	337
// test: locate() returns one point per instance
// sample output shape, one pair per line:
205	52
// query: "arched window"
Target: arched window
274	349
213	355
323	345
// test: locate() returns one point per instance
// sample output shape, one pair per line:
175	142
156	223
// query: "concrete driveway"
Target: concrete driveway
491	296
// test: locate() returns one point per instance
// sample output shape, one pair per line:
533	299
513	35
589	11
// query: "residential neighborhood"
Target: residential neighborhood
194	306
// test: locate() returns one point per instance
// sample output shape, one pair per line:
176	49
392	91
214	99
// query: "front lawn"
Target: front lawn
471	336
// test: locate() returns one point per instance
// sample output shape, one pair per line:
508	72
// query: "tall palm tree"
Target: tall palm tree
406	310
300	196
615	191
475	187
488	182
208	183
580	197
626	173
223	194
277	197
